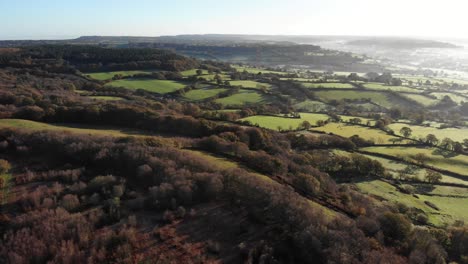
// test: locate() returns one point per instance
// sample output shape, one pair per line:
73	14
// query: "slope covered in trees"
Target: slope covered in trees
72	197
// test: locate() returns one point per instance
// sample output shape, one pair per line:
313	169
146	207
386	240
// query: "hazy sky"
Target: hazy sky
23	19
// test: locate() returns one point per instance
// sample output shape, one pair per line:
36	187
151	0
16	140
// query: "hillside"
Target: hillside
140	154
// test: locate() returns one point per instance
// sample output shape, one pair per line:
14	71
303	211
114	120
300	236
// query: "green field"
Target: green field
310	106
192	72
451	208
379	98
421	99
201	94
345	130
151	85
274	122
299	79
456	134
256	70
328	85
345	118
456	98
73	128
108	75
380	86
393	167
250	84
436	157
106	98
243	97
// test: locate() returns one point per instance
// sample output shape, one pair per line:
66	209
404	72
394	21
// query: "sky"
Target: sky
58	19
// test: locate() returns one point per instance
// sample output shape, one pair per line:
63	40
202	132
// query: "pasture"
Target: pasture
435	157
192	72
379	98
421	99
202	94
310	106
455	134
345	118
456	98
251	84
380	86
150	85
256	70
243	97
328	85
451	208
72	128
393	167
345	130
102	76
285	123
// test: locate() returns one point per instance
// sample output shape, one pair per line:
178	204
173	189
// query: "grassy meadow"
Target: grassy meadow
345	130
202	94
243	97
102	76
275	122
435	157
456	134
328	85
250	84
151	85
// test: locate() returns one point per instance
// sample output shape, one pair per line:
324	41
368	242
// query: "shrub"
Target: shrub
4	166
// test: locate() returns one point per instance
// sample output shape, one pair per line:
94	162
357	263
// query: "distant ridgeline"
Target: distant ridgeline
227	48
399	43
88	58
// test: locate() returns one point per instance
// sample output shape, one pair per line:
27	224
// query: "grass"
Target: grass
201	94
250	84
310	106
451	208
243	97
106	98
151	85
219	163
90	130
192	72
6	178
364	119
393	167
421	99
345	130
377	97
299	79
108	75
256	70
456	98
436	158
379	86
456	134
274	122
328	85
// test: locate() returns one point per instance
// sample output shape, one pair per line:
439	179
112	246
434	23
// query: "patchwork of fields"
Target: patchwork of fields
435	157
345	130
456	134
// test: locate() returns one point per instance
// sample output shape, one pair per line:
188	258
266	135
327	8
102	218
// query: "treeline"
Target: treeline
90	58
